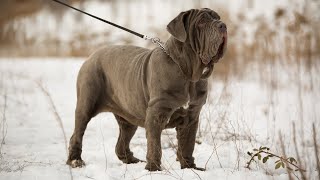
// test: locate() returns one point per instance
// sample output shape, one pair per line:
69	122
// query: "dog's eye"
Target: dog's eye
202	93
205	18
202	23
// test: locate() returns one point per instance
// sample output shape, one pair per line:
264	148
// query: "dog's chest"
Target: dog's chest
186	105
193	95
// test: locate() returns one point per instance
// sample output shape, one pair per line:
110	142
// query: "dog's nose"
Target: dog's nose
222	26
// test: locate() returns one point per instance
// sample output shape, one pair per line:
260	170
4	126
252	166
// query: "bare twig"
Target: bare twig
213	151
316	148
155	173
57	117
190	168
38	163
175	148
284	156
223	118
15	166
274	155
303	176
4	124
236	145
104	148
56	114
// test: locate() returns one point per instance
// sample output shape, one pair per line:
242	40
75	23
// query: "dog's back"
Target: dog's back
117	75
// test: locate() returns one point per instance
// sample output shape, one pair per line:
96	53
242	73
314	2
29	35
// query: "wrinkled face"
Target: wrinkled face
211	36
203	30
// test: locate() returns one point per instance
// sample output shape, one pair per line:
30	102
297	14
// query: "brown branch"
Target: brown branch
170	175
57	117
104	148
272	154
183	159
4	122
303	176
316	149
285	157
175	148
55	112
214	149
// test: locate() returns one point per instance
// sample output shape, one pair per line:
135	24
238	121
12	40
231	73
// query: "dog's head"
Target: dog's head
203	30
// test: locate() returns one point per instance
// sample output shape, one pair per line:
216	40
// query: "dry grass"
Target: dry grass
13	35
57	117
287	39
3	125
316	149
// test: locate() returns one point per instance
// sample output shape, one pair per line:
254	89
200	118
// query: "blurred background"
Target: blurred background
278	30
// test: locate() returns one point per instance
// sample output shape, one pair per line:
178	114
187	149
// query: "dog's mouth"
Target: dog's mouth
222	48
220	52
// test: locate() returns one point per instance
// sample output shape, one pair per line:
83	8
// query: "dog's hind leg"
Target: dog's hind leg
75	144
88	95
126	132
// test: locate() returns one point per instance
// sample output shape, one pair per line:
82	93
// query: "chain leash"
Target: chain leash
156	41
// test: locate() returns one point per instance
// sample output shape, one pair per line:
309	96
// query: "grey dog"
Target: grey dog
152	89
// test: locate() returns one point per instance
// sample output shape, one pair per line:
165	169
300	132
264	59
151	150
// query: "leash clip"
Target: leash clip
157	41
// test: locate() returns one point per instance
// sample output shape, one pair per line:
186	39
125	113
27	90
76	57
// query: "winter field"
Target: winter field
265	92
241	114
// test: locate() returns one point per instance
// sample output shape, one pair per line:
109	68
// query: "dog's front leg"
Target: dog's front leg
186	136
155	122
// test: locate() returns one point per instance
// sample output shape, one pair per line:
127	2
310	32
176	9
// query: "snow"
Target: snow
35	149
240	114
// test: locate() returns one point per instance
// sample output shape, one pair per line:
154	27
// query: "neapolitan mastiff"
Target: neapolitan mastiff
151	89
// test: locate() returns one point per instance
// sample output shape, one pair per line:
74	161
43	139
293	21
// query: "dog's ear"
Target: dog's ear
177	27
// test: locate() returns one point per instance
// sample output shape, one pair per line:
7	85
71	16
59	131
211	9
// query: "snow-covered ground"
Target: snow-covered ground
241	114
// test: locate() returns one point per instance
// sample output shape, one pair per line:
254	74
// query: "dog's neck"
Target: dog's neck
184	56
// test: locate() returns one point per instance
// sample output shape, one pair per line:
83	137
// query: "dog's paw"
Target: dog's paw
131	160
153	167
76	163
199	168
193	166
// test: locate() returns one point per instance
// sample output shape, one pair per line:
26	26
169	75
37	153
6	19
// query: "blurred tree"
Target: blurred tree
14	9
10	9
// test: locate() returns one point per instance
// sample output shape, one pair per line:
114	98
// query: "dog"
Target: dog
151	88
